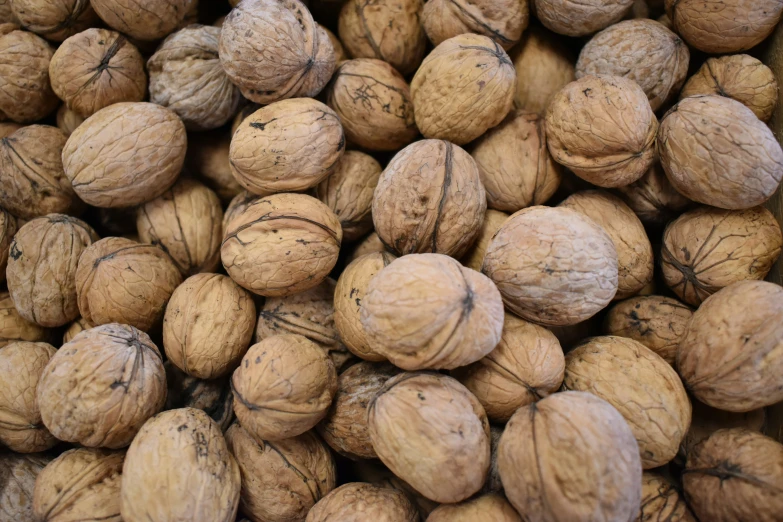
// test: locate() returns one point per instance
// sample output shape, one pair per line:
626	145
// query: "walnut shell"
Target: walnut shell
213	397
359	502
546	66
429	199
717	152
25	93
75	328
339	51
54	20
493	220
501	20
707	420
603	129
125	154
67	120
14	327
661	502
379	475
198	480
102	386
368	245
143	19
6	14
586	458
207	159
707	249
8	228
574	18
7	128
17	481
486	508
237	206
652	197
119	280
296	237
553	266
465	86
432	433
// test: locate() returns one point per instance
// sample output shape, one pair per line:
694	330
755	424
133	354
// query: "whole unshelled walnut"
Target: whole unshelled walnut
14	327
573	18
67	120
237	206
8	228
17	481
707	420
24	58
207	160
212	396
54	20
546	67
358	502
652	197
661	501
486	508
493	220
503	20
144	19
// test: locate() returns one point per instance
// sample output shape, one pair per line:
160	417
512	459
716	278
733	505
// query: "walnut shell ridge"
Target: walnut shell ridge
25	93
143	19
574	18
503	21
14	327
54	20
358	501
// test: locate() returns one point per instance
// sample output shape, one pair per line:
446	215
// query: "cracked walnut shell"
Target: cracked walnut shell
653	198
54	20
17	480
580	18
661	502
13	327
213	397
487	508
143	19
25	93
360	502
501	20
546	67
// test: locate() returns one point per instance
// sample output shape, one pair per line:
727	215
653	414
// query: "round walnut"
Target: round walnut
125	154
653	198
295	237
487	508
213	397
237	206
573	18
707	420
339	51
707	249
13	327
119	280
465	86
25	93
54	20
67	120
287	146
603	129
661	502
429	199
8	228
717	152
207	159
17	482
144	19
546	66
493	220
553	266
432	433
198	480
586	458
283	387
274	50
368	245
502	21
281	480
75	328
359	502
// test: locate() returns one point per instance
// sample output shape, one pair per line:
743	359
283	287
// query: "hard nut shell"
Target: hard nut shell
573	18
487	508
707	420
26	95
501	20
493	220
14	327
653	198
213	396
661	501
54	21
357	502
17	482
145	19
207	159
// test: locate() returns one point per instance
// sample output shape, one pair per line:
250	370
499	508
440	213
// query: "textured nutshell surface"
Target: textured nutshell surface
14	327
717	152
143	19
432	433
212	396
237	206
8	227
17	481
368	245
377	474
125	154
583	456
207	159
67	120
603	129
465	86
6	14
358	501
8	127
707	249
661	502
501	20
25	93
731	356
487	508
707	420
429	199
339	51
493	220
546	66
196	477
552	266
652	197
573	18
54	20
75	328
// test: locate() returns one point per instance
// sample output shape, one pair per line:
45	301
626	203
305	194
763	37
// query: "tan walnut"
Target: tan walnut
67	120
368	245
652	197
661	502
143	19
25	93
707	420
237	206
574	18
75	328
54	20
8	227
358	502
546	66
14	327
493	220
213	396
339	51
486	508
17	479
207	160
501	20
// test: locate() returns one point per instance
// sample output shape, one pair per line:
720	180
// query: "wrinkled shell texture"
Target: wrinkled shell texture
487	508
715	151
707	249
13	327
652	197
432	433
54	20
369	245
282	245
67	120
661	502
95	69
274	50
552	266
731	357
493	220
102	408
465	86
17	481
237	206
119	280
25	93
429	199
213	397
339	50
603	129
75	328
196	478
573	18
733	474
545	67
516	168
207	159
143	19
570	457
359	502
125	154
8	228
707	420
283	387
501	20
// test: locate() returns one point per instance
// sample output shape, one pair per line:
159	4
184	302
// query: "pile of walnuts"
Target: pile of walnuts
389	261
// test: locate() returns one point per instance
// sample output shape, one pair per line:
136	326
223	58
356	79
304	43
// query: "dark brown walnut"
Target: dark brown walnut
486	508
661	502
546	66
42	268
17	481
54	20
707	249
429	199
634	252
735	474
570	456
67	120
707	420
573	18
493	220
603	129
144	19
198	481
25	93
274	50
339	51
208	325
527	365
295	238
553	266
8	228
14	327
368	245
731	356
186	76
237	206
653	198
81	484
122	281
465	86
125	155
503	20
283	387
717	152
214	396
359	502
7	128
287	146
75	328
432	433
281	480
207	159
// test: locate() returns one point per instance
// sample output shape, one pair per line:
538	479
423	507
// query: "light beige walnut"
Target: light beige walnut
25	93
493	220
207	159
67	120
143	19
358	501
8	227
707	420
368	245
652	197
75	328
14	327
486	508
237	206
212	396
574	18
661	502
374	472
501	20
54	20
544	65
17	482
246	111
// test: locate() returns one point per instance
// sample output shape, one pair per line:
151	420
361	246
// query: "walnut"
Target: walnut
586	458
634	251
75	328
295	236
527	365
6	14
465	86
546	66
717	152
486	508
8	227
214	397
339	51
359	502
652	197
54	20
244	113
707	249
661	502
281	480
603	129
283	387
493	220
432	433
207	159
368	245
7	128
553	266
707	420
237	207
25	93
17	481
67	120
503	21
573	18
287	54
13	327
125	155
143	19
429	199
379	475
198	480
